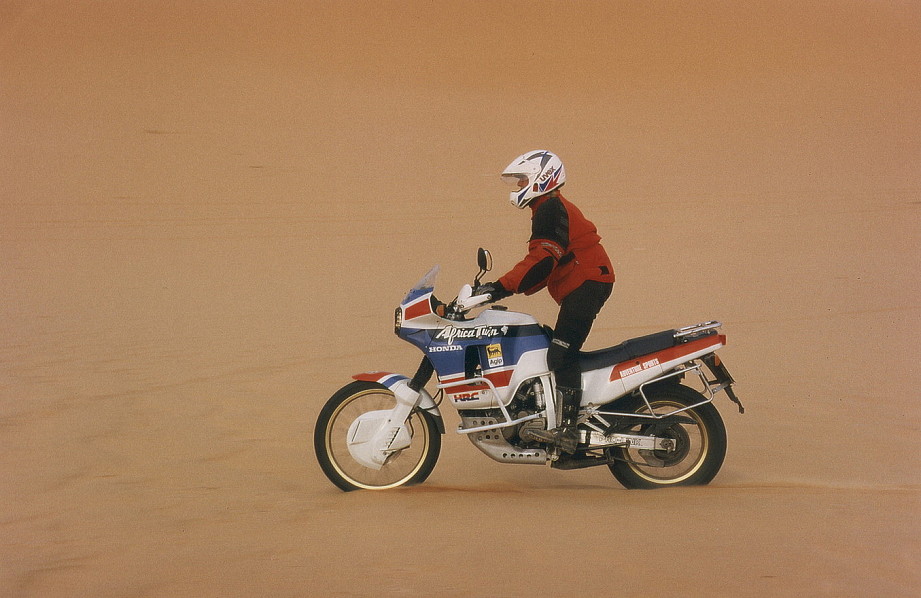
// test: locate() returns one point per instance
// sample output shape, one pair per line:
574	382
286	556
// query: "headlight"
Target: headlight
397	320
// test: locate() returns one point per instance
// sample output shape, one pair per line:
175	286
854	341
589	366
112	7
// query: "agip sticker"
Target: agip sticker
494	356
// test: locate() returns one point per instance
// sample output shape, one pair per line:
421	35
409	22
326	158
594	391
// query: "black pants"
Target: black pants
577	313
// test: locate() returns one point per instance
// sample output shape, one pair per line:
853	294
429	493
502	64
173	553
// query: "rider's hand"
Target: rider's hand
495	289
437	306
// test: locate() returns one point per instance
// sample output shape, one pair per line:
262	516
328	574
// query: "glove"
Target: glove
437	306
495	289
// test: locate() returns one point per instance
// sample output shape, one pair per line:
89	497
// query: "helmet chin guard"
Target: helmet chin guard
533	174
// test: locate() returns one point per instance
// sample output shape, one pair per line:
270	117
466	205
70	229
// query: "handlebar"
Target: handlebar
474	301
464	302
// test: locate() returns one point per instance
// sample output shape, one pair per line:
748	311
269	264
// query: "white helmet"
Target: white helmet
533	174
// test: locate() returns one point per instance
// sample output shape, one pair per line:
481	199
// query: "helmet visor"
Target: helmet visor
515	181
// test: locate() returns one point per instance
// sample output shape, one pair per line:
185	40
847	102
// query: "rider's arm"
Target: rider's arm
549	240
530	274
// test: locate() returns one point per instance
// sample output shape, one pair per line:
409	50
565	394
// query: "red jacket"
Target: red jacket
564	251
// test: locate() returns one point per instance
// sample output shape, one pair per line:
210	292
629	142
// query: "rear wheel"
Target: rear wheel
699	440
411	465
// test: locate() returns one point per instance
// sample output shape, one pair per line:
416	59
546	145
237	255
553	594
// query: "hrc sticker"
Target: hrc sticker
494	355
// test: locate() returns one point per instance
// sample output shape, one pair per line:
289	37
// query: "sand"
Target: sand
209	210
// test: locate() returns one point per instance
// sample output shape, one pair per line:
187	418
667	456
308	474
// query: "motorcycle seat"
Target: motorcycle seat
627	350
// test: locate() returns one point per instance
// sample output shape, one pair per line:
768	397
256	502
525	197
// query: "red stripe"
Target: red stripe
498	379
670	354
372	376
419	308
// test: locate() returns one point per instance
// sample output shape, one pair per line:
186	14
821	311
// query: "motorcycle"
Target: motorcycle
638	415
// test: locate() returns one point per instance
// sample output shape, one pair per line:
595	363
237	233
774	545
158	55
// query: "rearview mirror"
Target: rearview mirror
484	259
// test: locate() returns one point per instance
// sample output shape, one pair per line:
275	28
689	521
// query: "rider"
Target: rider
564	255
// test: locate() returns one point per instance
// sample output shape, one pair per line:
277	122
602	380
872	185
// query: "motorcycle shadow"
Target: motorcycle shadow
500	488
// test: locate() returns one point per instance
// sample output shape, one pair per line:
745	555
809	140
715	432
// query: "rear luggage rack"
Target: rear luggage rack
685	334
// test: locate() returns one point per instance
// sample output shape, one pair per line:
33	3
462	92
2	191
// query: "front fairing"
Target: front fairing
416	315
493	341
417	311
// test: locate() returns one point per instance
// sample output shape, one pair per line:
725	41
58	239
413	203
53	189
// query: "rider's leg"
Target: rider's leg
577	312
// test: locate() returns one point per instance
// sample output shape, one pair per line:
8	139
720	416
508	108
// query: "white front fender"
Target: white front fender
372	439
376	435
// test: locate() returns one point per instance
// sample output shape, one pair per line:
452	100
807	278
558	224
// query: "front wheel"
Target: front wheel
698	437
410	465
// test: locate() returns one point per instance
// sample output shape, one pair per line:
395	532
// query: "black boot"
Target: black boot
566	436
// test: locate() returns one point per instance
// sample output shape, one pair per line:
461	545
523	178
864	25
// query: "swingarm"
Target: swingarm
598	440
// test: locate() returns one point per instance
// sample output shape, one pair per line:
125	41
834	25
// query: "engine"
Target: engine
505	444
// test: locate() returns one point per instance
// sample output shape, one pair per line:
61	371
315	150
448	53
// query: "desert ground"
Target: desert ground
209	210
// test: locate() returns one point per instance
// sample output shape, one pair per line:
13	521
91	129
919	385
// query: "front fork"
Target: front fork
426	402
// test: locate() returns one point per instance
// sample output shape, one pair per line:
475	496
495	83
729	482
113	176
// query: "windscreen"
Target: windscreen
424	286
